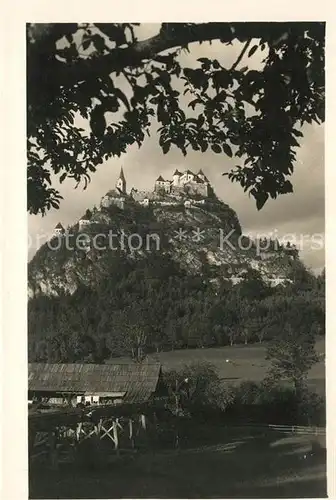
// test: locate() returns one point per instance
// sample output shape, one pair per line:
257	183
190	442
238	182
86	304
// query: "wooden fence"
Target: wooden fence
286	429
299	429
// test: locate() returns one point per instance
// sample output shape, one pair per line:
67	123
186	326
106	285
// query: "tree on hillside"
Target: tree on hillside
303	278
292	354
132	332
252	286
83	70
321	280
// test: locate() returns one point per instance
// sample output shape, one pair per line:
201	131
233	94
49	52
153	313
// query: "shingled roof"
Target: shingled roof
137	381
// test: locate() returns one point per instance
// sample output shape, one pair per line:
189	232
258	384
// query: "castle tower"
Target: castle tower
59	230
201	175
121	182
176	178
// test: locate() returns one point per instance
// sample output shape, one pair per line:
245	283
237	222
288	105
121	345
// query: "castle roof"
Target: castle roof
189	172
121	176
113	193
59	226
202	173
160	178
177	172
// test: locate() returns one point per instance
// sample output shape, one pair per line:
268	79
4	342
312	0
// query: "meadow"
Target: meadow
236	364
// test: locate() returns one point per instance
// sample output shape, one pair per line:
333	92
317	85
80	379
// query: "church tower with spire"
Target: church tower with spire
121	182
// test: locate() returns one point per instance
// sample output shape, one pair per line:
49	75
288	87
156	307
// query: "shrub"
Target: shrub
196	388
275	404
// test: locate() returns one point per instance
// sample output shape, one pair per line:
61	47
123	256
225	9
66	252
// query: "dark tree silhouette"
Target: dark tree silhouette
81	70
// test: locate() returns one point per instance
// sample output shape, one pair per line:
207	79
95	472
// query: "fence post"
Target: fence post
131	432
78	430
115	436
52	440
143	421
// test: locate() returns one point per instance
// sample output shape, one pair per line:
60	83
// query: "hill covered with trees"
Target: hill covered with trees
88	305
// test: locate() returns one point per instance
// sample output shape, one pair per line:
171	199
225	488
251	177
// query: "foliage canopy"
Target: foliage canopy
82	70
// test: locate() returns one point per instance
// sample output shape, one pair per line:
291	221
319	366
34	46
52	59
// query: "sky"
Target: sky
299	215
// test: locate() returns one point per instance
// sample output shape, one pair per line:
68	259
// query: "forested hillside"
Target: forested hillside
148	305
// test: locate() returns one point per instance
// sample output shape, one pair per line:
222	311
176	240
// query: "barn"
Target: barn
94	384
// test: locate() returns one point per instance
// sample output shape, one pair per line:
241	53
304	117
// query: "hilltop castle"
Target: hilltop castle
184	183
184	187
166	192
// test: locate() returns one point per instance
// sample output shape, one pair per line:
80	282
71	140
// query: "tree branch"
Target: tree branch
171	36
241	55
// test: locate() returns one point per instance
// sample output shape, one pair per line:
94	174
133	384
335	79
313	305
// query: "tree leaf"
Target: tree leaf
216	148
99	42
252	50
97	121
86	44
227	150
261	199
165	147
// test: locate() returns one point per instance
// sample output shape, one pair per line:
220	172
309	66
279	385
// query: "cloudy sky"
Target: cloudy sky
300	214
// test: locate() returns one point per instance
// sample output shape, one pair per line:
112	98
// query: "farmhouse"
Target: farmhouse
94	384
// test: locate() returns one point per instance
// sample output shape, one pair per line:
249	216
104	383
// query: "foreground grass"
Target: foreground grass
240	464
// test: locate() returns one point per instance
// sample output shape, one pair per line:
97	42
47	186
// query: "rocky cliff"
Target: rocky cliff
203	239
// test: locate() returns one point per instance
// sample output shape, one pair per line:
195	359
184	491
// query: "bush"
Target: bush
196	389
264	404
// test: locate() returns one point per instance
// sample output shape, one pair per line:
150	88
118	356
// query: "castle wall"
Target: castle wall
163	186
176	180
107	201
186	177
83	223
192	188
140	196
167	203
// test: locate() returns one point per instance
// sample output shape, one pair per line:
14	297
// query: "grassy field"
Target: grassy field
242	464
245	363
